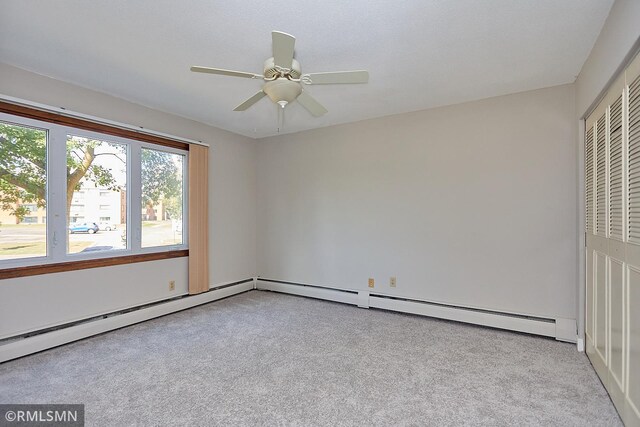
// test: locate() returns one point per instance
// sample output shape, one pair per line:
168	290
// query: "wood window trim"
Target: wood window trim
61	119
60	267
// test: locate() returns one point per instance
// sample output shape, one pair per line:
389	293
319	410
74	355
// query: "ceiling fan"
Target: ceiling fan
283	78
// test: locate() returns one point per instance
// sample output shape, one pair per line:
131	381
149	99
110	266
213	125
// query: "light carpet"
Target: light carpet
262	358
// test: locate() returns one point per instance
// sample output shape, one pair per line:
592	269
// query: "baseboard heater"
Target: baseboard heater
33	342
560	329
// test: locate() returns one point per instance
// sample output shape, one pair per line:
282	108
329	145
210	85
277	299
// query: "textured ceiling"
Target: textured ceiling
420	53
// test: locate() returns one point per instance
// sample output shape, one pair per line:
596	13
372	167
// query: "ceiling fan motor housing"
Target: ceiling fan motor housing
270	70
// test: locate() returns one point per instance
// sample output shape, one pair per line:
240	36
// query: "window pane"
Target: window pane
23	189
161	198
96	189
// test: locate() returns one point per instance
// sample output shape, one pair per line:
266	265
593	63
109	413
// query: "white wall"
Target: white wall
36	302
232	198
621	31
472	204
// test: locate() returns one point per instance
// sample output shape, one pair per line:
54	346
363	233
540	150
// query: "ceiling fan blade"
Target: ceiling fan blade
337	77
310	103
283	44
224	72
249	102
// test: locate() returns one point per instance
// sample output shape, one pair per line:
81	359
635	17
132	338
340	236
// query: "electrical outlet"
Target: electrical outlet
172	285
371	282
392	282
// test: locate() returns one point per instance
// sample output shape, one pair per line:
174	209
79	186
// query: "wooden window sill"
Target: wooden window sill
60	267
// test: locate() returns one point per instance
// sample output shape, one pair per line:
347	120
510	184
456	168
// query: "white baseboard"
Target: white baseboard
36	343
566	330
346	297
494	320
561	329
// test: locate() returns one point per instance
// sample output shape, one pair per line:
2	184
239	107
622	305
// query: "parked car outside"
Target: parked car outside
86	227
107	226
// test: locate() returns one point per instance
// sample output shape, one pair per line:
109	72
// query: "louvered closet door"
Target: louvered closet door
616	165
615	308
632	300
589	165
634	162
600	337
612	231
601	176
597	242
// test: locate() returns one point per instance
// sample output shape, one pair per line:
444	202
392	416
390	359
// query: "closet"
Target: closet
612	186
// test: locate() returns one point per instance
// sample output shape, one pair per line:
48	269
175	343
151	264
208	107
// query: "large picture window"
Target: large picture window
66	194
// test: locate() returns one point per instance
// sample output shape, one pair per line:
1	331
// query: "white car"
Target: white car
107	226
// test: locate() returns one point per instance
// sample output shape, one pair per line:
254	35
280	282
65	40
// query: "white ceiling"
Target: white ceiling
420	53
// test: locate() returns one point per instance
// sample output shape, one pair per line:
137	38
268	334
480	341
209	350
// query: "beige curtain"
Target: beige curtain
198	219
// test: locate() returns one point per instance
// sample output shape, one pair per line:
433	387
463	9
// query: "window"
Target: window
23	191
96	175
162	201
95	168
29	208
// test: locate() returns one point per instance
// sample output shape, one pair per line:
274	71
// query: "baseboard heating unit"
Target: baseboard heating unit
559	328
36	341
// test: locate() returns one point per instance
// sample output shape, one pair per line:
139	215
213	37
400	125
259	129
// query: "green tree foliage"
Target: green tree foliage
81	153
161	180
22	168
23	157
173	206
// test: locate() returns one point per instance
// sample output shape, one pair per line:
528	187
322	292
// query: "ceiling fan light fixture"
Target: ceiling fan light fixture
282	89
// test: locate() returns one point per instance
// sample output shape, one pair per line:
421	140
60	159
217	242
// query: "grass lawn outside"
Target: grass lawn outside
34	248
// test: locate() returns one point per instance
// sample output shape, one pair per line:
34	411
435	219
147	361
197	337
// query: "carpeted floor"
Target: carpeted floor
268	359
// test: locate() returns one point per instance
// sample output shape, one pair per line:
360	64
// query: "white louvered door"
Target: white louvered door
612	230
601	175
633	290
616	165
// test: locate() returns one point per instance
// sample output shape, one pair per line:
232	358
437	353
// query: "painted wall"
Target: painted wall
232	198
37	302
621	31
472	204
